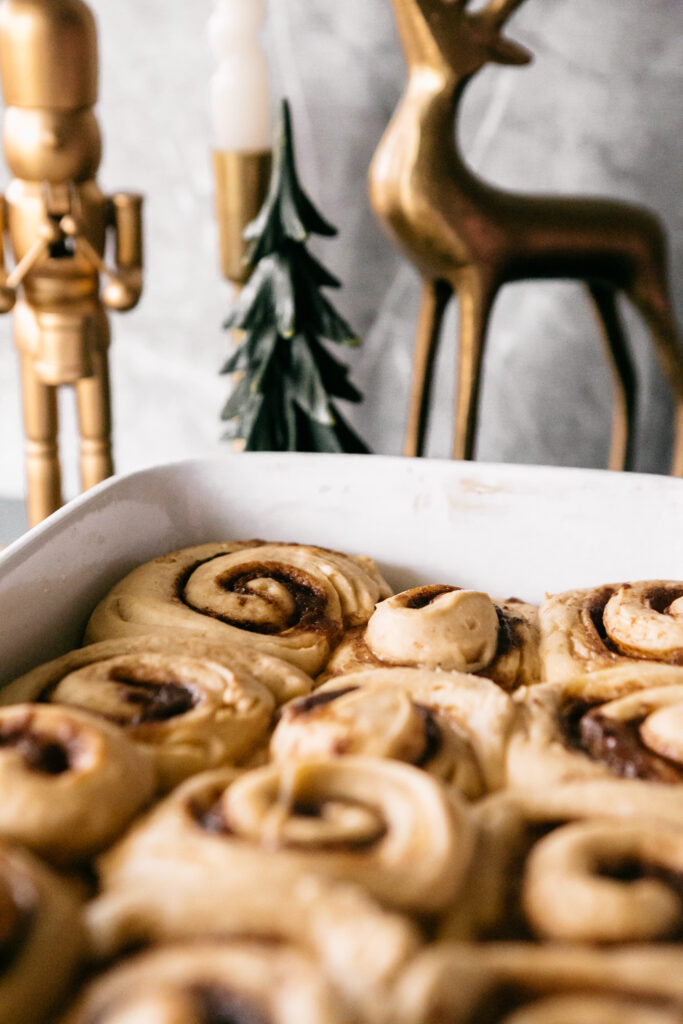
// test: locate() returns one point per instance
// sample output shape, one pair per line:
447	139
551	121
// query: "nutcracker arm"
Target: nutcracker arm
124	281
48	233
125	216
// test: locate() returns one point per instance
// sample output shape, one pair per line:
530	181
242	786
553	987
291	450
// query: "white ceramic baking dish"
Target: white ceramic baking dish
510	530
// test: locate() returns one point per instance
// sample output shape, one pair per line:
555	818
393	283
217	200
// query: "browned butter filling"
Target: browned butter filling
304	705
433	736
420	597
209	816
309	600
617	745
217	1005
15	923
156	702
40	753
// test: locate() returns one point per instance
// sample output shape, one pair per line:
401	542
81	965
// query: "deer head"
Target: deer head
445	34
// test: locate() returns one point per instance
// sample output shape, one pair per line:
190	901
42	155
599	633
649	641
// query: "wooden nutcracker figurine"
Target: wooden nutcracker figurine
57	223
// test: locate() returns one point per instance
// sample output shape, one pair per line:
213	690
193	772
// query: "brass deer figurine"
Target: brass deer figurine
468	238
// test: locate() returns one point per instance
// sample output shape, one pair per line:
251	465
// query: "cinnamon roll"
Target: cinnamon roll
593	728
443	627
612	626
69	783
450	724
515	983
521	838
380	823
288	600
222	884
211	983
41	938
194	705
605	881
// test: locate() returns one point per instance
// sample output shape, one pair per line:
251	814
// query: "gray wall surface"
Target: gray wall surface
598	112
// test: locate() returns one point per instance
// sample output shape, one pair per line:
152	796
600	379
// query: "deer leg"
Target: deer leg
475	294
650	297
622	446
435	298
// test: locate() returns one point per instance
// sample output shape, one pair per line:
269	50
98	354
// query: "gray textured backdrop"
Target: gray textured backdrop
598	112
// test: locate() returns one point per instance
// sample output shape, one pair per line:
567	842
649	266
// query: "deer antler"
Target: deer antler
458	31
498	11
494	15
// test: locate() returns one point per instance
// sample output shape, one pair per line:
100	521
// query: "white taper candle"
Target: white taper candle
240	88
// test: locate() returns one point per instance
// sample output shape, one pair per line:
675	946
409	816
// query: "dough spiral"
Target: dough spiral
376	822
450	724
443	627
210	981
603	881
519	983
194	705
513	825
69	783
225	886
289	600
379	823
594	728
612	625
39	927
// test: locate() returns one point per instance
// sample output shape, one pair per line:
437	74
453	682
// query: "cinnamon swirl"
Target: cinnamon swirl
69	783
383	824
41	938
612	626
443	627
594	727
211	983
603	881
289	600
225	885
450	724
516	983
618	859
194	705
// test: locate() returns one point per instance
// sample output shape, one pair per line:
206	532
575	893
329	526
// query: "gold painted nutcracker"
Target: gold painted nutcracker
58	224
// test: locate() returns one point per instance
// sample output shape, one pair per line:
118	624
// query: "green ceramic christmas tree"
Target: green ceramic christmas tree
284	399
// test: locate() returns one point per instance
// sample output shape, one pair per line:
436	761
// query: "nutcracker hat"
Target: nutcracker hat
48	54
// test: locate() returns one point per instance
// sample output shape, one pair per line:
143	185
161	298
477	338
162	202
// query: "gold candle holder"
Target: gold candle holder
241	187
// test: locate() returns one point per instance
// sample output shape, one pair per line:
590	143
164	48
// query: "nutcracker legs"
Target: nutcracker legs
44	481
44	491
94	422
